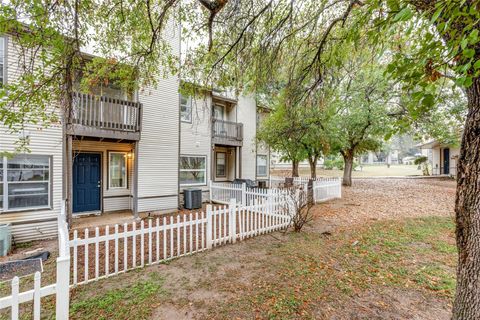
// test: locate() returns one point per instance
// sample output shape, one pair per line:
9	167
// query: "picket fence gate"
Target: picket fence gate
60	288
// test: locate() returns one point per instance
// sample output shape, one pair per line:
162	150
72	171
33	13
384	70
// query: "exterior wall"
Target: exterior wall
247	114
196	138
34	224
112	199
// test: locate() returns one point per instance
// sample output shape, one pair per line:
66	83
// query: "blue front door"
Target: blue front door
86	182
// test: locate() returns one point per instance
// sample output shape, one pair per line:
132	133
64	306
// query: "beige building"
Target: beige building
442	157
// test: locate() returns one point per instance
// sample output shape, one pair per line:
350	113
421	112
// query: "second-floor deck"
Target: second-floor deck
227	132
105	117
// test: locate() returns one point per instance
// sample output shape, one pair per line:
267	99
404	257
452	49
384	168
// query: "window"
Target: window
2	60
219	112
117	170
25	182
193	170
185	109
221	164
261	165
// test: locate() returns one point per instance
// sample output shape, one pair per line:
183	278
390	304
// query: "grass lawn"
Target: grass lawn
315	272
364	171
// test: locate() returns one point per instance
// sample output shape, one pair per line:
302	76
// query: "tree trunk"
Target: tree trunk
467	212
347	169
312	161
295	168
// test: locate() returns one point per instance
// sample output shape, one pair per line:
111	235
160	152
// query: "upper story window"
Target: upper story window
2	61
262	165
185	108
117	170
219	112
25	182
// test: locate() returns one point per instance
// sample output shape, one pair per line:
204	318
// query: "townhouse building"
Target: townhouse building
121	151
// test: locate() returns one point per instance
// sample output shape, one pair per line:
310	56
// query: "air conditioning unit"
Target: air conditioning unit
5	239
192	198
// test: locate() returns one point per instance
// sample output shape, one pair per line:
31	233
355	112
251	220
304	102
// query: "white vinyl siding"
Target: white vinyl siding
196	137
193	170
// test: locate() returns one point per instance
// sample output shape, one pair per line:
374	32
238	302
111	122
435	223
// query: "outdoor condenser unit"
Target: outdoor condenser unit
192	198
5	239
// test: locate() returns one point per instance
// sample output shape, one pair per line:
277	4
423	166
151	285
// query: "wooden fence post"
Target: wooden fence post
209	226
244	194
232	221
63	288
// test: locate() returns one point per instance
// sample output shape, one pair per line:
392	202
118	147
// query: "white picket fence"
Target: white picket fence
106	252
327	189
222	193
323	189
60	288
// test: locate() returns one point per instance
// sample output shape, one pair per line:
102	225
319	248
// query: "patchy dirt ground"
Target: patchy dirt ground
307	276
389	253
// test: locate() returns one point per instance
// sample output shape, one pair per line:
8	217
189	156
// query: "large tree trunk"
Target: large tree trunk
467	212
312	161
295	168
347	169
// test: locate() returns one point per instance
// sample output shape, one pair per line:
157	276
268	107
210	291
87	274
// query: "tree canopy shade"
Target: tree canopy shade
251	42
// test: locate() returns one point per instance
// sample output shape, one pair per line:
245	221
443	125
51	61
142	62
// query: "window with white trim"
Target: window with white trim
117	170
262	165
221	164
193	170
25	182
185	108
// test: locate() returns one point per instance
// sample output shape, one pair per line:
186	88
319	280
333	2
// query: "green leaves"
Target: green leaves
403	15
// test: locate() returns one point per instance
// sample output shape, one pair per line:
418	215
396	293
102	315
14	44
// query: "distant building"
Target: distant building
381	157
442	157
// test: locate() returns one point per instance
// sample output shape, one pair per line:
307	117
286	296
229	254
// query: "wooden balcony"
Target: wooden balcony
105	117
227	132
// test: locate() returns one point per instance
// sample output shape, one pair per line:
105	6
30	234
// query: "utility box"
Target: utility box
5	239
192	198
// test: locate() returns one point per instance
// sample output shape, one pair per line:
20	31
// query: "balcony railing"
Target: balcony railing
106	113
227	131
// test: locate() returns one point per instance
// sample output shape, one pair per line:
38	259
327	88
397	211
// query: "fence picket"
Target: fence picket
15	291
36	295
150	241
97	253
75	256
116	248
134	244
125	247
107	251
157	239
86	256
142	243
